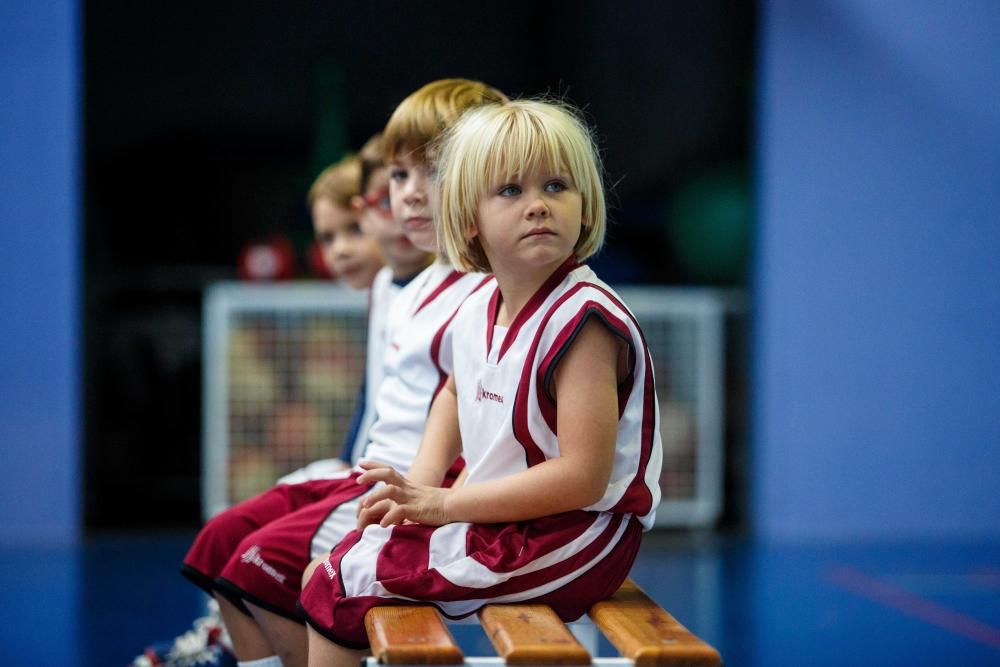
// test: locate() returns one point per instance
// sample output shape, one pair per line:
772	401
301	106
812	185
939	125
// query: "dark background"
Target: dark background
206	122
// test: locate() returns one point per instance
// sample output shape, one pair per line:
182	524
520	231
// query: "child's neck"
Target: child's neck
517	288
407	270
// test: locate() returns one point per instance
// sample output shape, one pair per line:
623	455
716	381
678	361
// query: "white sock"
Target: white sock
270	661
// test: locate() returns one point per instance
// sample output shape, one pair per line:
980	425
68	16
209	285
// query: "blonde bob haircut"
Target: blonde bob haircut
425	113
492	145
339	183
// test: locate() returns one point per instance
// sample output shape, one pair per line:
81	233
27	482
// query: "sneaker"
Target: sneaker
209	656
205	644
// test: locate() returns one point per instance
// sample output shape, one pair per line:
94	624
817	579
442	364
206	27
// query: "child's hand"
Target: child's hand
399	500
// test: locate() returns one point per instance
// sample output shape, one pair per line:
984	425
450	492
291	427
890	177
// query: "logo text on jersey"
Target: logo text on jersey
483	394
252	557
330	572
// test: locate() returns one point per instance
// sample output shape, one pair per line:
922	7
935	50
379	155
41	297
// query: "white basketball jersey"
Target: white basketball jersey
416	360
383	294
507	414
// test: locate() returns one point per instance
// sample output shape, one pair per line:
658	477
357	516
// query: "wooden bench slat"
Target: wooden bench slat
411	635
531	634
641	630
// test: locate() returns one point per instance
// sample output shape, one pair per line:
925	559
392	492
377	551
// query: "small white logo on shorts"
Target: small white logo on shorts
252	557
330	572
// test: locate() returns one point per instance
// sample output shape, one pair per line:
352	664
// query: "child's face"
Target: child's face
377	222
350	254
533	220
410	193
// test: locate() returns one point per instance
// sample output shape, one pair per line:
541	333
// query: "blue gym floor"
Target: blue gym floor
886	604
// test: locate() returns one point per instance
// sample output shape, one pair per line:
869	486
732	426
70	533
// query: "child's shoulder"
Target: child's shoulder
582	294
579	287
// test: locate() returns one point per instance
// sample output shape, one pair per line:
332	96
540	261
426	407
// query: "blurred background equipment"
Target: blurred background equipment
282	366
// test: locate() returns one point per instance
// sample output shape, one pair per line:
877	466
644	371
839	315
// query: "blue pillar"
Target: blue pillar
877	285
40	223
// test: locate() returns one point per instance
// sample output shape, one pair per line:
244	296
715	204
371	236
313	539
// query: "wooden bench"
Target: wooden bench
644	633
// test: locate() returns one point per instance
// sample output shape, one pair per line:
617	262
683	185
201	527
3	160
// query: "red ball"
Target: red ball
270	259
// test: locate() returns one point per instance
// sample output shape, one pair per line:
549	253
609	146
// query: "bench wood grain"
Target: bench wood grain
531	634
411	635
642	631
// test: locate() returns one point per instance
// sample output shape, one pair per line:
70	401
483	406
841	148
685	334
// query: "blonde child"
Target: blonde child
548	349
261	576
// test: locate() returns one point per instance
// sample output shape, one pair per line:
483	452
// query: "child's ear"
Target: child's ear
357	203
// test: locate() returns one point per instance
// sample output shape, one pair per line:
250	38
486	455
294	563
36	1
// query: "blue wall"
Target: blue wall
877	287
39	255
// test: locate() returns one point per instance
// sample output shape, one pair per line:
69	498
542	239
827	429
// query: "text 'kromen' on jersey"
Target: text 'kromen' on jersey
507	415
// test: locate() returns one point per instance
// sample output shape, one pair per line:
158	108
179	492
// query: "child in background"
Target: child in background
351	255
355	258
403	261
253	561
548	349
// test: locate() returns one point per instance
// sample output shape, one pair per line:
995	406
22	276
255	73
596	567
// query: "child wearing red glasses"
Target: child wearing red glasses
360	244
251	557
403	260
351	255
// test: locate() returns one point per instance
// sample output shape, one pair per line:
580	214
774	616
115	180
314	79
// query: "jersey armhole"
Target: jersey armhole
565	339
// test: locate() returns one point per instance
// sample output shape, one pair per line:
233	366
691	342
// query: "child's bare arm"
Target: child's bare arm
439	447
585	385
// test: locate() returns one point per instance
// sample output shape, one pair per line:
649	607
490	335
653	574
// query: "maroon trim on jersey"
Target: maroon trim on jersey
532	452
564	339
529	309
422	583
439	338
317	602
323	601
637	498
490	544
404	553
449	280
491	318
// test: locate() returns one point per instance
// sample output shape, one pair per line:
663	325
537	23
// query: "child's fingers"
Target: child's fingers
380	473
388	491
394	516
374	513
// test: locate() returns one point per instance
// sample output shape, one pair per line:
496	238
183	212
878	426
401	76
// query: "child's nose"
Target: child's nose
340	247
415	192
537	209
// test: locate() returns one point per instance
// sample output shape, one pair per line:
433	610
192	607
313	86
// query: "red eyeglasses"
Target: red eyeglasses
379	200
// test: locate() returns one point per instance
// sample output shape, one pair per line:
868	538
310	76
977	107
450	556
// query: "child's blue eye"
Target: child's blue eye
397	174
509	191
555	186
